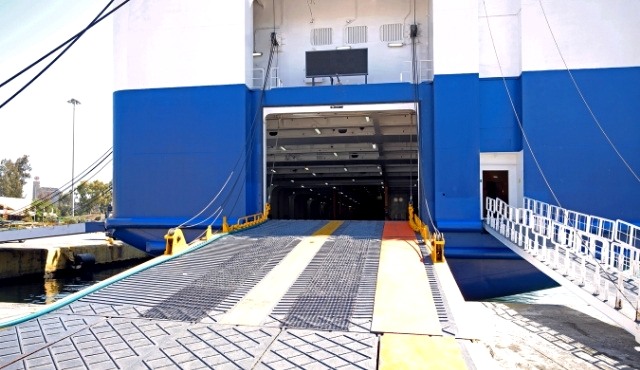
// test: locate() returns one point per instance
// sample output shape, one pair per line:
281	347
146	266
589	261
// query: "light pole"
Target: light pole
73	148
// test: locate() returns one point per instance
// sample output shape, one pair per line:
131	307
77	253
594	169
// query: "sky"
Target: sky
39	121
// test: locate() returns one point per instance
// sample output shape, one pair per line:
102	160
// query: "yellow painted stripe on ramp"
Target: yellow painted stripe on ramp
257	304
409	351
403	301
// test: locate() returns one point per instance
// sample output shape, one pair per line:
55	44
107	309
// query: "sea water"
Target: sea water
37	290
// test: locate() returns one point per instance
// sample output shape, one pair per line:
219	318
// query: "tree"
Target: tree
94	196
13	176
45	210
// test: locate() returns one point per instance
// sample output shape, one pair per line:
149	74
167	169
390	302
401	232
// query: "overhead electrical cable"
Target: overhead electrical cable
67	45
584	100
515	111
608	275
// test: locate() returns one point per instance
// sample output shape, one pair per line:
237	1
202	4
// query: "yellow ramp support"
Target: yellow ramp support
408	351
258	303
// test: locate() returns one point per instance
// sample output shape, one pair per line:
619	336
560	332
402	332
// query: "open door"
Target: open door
495	184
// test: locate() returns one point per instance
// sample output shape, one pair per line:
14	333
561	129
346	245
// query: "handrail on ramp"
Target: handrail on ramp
176	241
596	258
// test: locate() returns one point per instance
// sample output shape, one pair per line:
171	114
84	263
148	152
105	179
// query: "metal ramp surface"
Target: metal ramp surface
168	316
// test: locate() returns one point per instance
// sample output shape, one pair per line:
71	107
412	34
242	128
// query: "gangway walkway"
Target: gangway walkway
286	294
596	258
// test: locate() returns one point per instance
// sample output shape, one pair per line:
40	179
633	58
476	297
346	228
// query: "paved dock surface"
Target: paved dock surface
47	256
180	314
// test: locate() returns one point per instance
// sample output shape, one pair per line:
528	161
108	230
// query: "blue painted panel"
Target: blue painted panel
580	165
456	107
426	148
174	148
255	198
499	131
340	94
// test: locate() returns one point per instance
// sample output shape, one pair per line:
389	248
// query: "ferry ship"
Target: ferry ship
354	109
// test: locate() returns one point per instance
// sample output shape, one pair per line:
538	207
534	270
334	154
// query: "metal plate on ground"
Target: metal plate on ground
306	349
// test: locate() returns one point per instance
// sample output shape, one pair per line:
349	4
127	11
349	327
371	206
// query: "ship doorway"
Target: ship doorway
495	184
357	162
501	177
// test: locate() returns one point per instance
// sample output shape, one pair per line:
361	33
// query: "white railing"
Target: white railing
599	255
424	71
258	78
259	75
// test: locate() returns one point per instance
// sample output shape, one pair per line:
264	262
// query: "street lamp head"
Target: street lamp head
73	101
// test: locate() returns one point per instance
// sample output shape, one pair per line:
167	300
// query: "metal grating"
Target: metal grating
193	301
442	307
392	32
356	35
187	287
321	36
335	291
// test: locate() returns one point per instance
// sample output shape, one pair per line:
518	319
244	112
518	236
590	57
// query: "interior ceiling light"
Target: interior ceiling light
367	118
314	174
292	180
257	53
343	47
345	169
336	154
272	170
395	44
326	183
283	148
375	146
318	131
306	168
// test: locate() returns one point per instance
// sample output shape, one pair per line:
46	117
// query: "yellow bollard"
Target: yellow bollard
437	254
176	242
225	225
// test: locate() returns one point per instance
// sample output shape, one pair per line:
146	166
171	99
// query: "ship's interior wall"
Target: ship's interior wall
294	21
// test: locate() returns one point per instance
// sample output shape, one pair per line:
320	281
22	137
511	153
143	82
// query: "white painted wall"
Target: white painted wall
590	34
162	43
505	161
455	36
167	43
499	32
294	20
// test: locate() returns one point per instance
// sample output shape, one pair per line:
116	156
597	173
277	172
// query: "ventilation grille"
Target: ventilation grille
356	35
321	36
391	32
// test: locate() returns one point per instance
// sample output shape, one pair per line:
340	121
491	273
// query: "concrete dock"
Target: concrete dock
47	256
